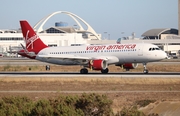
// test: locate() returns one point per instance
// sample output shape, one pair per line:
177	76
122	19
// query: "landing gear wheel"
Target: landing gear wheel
105	71
83	71
145	69
47	67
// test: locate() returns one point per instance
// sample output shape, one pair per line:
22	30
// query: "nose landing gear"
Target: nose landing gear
145	69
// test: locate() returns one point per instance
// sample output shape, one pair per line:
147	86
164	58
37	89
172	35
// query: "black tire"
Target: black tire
146	71
83	71
105	71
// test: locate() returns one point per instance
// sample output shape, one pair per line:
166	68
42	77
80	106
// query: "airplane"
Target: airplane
94	57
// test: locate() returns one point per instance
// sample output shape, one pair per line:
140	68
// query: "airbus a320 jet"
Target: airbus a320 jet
95	57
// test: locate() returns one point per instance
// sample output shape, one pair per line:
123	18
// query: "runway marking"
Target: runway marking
91	75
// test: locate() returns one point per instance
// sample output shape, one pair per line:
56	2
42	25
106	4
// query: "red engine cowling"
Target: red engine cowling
130	65
98	64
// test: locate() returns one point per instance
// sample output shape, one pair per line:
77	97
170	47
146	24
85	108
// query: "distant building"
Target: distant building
59	35
159	33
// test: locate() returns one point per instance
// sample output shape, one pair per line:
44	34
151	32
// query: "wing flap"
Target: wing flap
72	57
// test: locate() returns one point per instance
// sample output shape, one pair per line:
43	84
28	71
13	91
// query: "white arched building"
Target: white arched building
54	36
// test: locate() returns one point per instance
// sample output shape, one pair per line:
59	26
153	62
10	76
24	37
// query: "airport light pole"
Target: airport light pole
122	33
105	35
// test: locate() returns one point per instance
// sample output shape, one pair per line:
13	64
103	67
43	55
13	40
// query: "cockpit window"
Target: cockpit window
157	48
152	49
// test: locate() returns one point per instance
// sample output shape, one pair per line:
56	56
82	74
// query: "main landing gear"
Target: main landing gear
105	71
145	69
85	71
47	67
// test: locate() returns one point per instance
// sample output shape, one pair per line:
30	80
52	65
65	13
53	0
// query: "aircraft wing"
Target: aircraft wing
67	56
109	59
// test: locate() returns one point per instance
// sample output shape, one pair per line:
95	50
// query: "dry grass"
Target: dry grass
106	80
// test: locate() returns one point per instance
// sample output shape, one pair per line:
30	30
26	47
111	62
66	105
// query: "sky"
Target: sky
111	18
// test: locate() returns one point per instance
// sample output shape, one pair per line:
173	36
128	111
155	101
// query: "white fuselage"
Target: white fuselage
114	53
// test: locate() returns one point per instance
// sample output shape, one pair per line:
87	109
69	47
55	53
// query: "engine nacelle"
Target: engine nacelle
129	65
98	64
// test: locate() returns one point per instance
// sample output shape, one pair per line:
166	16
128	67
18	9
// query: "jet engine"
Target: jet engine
128	66
98	64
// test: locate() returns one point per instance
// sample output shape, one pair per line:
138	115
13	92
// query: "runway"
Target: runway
28	62
92	75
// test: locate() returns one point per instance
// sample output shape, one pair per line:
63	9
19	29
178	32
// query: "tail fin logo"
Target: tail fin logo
31	40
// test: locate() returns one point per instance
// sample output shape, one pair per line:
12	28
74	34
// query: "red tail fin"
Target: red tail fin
33	42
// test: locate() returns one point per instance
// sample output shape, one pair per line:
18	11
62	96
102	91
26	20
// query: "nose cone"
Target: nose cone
164	55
